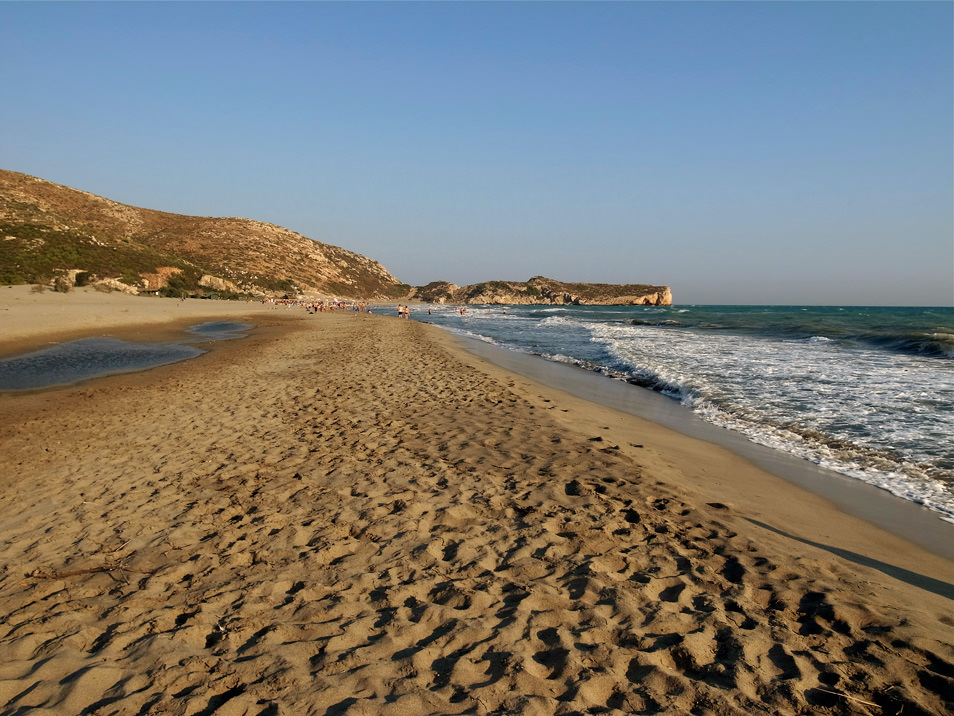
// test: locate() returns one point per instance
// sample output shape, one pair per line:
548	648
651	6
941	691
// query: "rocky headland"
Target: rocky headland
540	290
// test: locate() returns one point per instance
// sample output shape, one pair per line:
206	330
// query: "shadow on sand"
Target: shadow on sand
929	584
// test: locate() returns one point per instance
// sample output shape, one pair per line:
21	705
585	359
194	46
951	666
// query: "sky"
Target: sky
741	153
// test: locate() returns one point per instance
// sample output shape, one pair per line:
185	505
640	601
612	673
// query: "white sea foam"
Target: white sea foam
558	321
560	358
863	414
472	334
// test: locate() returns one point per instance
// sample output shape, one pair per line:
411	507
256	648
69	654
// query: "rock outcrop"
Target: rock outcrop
545	291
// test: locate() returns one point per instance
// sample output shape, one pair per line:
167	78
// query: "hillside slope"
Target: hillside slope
52	233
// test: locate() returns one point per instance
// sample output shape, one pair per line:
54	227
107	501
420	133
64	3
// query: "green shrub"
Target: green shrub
130	278
170	292
277	285
398	290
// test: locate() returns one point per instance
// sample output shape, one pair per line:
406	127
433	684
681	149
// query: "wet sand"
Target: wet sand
894	514
346	514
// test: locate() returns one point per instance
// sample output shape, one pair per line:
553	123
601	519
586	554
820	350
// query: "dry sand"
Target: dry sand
29	319
347	514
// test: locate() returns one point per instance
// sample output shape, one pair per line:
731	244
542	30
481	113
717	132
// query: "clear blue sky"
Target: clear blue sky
754	152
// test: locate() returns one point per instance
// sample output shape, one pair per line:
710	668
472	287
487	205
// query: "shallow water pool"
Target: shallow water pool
96	357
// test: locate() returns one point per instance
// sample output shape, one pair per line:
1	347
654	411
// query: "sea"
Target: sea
867	392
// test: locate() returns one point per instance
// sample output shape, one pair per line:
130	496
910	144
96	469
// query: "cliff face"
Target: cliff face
50	231
544	291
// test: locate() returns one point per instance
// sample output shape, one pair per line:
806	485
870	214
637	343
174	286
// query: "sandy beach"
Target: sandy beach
32	320
351	514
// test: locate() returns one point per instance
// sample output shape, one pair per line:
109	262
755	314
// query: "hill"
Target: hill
52	234
55	235
541	290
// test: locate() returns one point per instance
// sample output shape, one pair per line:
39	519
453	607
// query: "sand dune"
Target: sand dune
345	514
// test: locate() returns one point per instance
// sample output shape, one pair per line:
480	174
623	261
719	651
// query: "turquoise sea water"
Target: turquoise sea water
866	392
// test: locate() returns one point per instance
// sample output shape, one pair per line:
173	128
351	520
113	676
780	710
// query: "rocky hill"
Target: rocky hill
541	290
61	236
58	236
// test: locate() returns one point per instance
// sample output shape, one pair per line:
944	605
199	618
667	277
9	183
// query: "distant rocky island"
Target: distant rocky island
60	237
544	291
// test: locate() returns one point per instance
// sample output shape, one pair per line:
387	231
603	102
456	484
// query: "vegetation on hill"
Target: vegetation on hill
55	235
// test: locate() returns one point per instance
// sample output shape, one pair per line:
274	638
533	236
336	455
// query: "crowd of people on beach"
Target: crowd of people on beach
403	310
322	306
318	306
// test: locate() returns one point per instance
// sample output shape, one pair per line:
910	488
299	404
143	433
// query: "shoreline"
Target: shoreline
354	514
901	517
766	497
